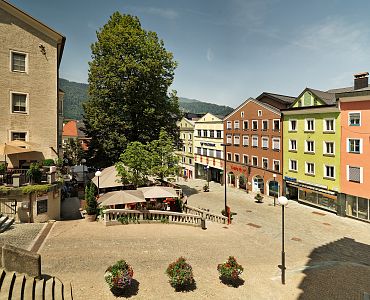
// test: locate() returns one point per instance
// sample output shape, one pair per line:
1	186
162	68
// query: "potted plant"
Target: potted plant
34	173
91	203
258	197
119	277
180	274
206	188
230	271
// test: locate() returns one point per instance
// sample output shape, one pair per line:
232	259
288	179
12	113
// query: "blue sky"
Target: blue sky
229	50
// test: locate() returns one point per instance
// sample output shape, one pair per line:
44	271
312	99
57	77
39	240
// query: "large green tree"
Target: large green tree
129	77
73	152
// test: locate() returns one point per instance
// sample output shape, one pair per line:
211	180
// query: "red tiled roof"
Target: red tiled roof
70	129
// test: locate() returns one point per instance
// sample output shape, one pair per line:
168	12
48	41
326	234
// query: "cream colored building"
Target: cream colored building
30	104
186	155
208	149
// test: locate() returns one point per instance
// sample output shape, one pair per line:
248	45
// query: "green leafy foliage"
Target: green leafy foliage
73	152
119	275
230	269
129	77
180	273
48	162
2	168
91	203
34	173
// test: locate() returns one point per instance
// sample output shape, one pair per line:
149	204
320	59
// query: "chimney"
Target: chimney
361	80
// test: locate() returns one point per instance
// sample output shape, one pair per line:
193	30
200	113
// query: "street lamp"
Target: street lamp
274	175
283	202
208	176
83	162
225	175
98	174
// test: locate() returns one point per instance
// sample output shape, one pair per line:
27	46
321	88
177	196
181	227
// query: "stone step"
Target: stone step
3	219
7	286
48	294
2	277
6	225
58	290
18	287
67	292
39	289
28	288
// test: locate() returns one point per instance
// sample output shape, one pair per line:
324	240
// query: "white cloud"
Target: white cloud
209	54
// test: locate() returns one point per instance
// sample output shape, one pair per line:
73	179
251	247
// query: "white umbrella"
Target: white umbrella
109	178
121	197
159	192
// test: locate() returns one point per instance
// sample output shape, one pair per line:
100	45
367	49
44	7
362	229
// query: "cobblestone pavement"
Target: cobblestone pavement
21	235
328	257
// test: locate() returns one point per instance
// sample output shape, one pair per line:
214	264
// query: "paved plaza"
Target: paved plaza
328	257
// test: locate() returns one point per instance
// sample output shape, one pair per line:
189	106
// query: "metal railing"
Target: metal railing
205	214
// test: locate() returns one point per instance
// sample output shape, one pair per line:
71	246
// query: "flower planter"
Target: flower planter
119	277
90	218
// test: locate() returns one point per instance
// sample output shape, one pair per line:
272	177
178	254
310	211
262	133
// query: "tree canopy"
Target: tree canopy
129	77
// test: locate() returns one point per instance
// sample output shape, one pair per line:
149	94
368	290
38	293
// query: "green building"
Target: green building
311	149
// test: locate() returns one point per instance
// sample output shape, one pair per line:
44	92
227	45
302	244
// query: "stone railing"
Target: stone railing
117	216
205	214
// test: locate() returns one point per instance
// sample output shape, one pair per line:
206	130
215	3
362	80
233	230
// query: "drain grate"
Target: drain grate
248	210
327	224
225	227
318	213
296	239
254	225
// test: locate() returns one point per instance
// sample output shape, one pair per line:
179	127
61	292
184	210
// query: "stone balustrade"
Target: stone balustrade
115	216
205	214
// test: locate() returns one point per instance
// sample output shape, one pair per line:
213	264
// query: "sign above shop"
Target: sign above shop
207	144
290	178
313	184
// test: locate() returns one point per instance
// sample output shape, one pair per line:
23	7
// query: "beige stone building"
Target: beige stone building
30	104
186	154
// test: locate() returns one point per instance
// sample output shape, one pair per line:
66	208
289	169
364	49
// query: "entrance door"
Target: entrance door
274	189
258	184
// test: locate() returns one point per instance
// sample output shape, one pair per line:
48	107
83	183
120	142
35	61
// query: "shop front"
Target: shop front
357	207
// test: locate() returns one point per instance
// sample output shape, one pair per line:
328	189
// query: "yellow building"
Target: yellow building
208	149
187	152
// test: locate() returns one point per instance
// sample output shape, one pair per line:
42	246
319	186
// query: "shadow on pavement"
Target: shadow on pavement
187	288
235	283
70	209
337	270
188	191
128	292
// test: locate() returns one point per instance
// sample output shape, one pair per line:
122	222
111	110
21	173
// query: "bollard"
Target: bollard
203	223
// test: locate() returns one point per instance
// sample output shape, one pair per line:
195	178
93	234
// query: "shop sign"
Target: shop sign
240	169
207	144
290	179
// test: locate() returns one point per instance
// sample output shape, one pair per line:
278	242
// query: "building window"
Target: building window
218	153
236	125
259	113
199	133
205	150
276	125
354	174
236	140
265	142
245	159
242	114
205	133
329	125
219	135
18	136
211	133
189	136
199	150
183	136
310	125
190	161
183	159
19	62
236	157
228	125
211	152
265	125
292	145
293	125
228	139
354	119
245	140
229	157
310	168
310	147
293	165
276	144
329	172
276	165
190	149
255	161
329	148
265	163
246	125
255	141
19	103
183	148
354	145
254	125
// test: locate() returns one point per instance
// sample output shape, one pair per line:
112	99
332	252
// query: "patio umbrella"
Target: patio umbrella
19	143
159	192
6	149
108	178
121	197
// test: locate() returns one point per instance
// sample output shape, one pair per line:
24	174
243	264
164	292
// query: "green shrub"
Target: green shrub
119	276
48	162
2	168
34	173
180	273
230	269
91	203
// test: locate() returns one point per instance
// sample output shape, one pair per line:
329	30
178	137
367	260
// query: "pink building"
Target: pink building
354	105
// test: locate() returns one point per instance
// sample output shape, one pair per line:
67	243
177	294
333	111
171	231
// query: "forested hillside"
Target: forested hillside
76	94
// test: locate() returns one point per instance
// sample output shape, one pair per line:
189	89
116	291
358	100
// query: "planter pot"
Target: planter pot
90	218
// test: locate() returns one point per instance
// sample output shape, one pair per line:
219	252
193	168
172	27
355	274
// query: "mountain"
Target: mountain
76	94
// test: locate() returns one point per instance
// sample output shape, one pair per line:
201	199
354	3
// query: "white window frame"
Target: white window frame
265	138
324	125
349	117
361	145
254	121
245	156
189	136
263	159
235	155
273	125
246	121
290	125
306	168
246	139
27	103
190	149
11	62
325	166
235	138
259	113
290	145
306	125
255	165
253	139
242	114
325	148
267	127
18	131
236	124
273	165
229	125
229	138
306	147
361	174
227	156
290	165
272	146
